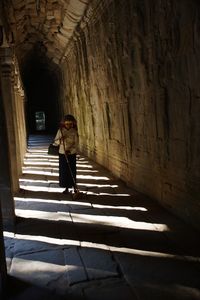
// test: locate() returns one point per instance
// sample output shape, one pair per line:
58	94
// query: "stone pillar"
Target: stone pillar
20	126
8	158
3	270
7	86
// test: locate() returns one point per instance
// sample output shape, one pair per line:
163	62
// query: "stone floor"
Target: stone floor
111	243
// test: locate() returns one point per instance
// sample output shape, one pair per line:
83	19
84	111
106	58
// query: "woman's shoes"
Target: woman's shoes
66	191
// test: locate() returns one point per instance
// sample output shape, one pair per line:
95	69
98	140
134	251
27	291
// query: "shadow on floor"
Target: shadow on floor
21	290
112	243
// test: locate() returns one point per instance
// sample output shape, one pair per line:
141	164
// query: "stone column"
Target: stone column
3	270
7	86
20	126
8	158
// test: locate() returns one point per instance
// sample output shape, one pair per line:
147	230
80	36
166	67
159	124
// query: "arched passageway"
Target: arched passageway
129	72
42	84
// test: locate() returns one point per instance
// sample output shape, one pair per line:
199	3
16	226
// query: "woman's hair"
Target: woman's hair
71	118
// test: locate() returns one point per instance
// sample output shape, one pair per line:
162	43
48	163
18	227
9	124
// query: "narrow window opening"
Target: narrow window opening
40	120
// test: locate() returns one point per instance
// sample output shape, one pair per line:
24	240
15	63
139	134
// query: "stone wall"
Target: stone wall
12	134
132	79
3	269
12	97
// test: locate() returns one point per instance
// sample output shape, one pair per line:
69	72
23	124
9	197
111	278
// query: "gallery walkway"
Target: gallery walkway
112	243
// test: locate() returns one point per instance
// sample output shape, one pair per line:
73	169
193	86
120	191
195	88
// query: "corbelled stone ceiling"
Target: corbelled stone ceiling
45	24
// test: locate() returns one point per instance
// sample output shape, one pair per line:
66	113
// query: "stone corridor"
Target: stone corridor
128	71
111	243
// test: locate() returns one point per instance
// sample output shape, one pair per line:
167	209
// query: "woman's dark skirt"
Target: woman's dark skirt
65	177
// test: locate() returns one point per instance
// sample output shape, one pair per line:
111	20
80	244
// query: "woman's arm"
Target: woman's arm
57	138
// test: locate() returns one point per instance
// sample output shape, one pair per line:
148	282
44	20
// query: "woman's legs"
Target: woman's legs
65	177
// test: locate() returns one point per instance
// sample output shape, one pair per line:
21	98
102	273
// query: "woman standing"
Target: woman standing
67	139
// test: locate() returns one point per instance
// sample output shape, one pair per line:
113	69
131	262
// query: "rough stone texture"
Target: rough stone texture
45	23
131	78
3	269
97	258
9	170
130	75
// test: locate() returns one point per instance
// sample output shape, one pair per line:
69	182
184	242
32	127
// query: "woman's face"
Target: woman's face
68	124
